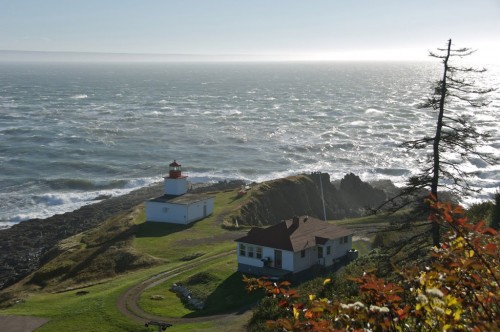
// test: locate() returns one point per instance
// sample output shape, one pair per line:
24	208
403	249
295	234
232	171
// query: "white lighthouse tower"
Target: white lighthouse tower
176	205
175	183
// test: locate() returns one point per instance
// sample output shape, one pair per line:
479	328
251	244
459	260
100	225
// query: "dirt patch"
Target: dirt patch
21	323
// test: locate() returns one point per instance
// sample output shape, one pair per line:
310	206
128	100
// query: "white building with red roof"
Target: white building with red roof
177	206
292	246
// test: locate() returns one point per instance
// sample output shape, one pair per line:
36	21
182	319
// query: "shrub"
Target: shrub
459	291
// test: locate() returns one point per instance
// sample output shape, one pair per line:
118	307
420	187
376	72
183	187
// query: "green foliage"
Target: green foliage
479	211
495	214
268	309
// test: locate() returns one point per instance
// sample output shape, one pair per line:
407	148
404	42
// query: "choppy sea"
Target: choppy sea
72	132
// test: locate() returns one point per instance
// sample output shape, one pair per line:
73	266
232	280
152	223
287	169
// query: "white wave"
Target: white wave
5	224
374	112
358	123
80	96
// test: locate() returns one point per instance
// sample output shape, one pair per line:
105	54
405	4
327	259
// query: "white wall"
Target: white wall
200	210
303	263
253	261
178	213
287	260
165	212
178	186
286	257
339	250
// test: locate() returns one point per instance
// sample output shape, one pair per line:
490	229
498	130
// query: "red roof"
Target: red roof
296	235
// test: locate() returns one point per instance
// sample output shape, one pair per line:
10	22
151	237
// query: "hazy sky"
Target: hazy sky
329	29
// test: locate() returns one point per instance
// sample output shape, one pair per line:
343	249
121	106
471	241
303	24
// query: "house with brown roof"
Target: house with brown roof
292	246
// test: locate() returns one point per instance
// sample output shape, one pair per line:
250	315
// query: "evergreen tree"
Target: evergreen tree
455	139
495	215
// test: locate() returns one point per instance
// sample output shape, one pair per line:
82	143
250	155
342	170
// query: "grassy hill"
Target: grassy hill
83	276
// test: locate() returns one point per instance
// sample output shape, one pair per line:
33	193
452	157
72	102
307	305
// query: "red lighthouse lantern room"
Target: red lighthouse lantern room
174	170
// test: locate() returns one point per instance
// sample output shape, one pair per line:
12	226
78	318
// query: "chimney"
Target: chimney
305	218
295	221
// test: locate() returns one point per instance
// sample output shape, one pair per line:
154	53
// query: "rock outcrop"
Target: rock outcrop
280	199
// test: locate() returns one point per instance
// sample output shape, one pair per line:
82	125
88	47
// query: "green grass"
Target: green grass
380	218
95	311
223	291
173	242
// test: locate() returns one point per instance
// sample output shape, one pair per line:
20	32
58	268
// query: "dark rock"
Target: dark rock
303	195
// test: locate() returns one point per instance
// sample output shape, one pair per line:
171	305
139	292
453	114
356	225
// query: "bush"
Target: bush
459	291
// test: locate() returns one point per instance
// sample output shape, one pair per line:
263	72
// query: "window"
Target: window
328	250
320	252
250	252
258	252
242	250
344	239
302	253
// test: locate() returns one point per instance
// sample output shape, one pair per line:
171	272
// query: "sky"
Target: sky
260	29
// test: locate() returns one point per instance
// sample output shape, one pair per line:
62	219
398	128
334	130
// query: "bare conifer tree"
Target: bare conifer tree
456	139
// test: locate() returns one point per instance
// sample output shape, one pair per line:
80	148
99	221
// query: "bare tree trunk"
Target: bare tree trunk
437	140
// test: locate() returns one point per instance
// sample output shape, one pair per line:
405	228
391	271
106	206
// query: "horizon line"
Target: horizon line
92	56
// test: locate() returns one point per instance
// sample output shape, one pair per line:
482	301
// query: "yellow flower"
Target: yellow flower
327	281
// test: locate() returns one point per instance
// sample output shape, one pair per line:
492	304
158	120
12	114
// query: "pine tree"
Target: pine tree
455	135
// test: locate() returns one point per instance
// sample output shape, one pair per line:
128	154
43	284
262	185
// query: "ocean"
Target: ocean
70	133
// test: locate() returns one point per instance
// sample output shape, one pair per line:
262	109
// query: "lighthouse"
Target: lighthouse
175	183
176	205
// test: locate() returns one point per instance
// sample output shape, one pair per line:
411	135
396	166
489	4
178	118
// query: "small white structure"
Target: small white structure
176	206
292	246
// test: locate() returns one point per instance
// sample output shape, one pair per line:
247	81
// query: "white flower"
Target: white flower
383	310
434	292
356	305
439	310
422	299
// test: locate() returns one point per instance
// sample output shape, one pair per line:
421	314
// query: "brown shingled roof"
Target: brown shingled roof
295	235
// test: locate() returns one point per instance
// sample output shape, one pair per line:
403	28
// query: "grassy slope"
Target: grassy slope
173	244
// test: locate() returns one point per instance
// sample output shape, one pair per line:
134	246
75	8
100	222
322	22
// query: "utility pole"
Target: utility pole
322	196
161	325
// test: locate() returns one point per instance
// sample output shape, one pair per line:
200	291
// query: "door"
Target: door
277	259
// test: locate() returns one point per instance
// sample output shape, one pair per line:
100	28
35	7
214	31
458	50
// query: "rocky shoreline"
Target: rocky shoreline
23	246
